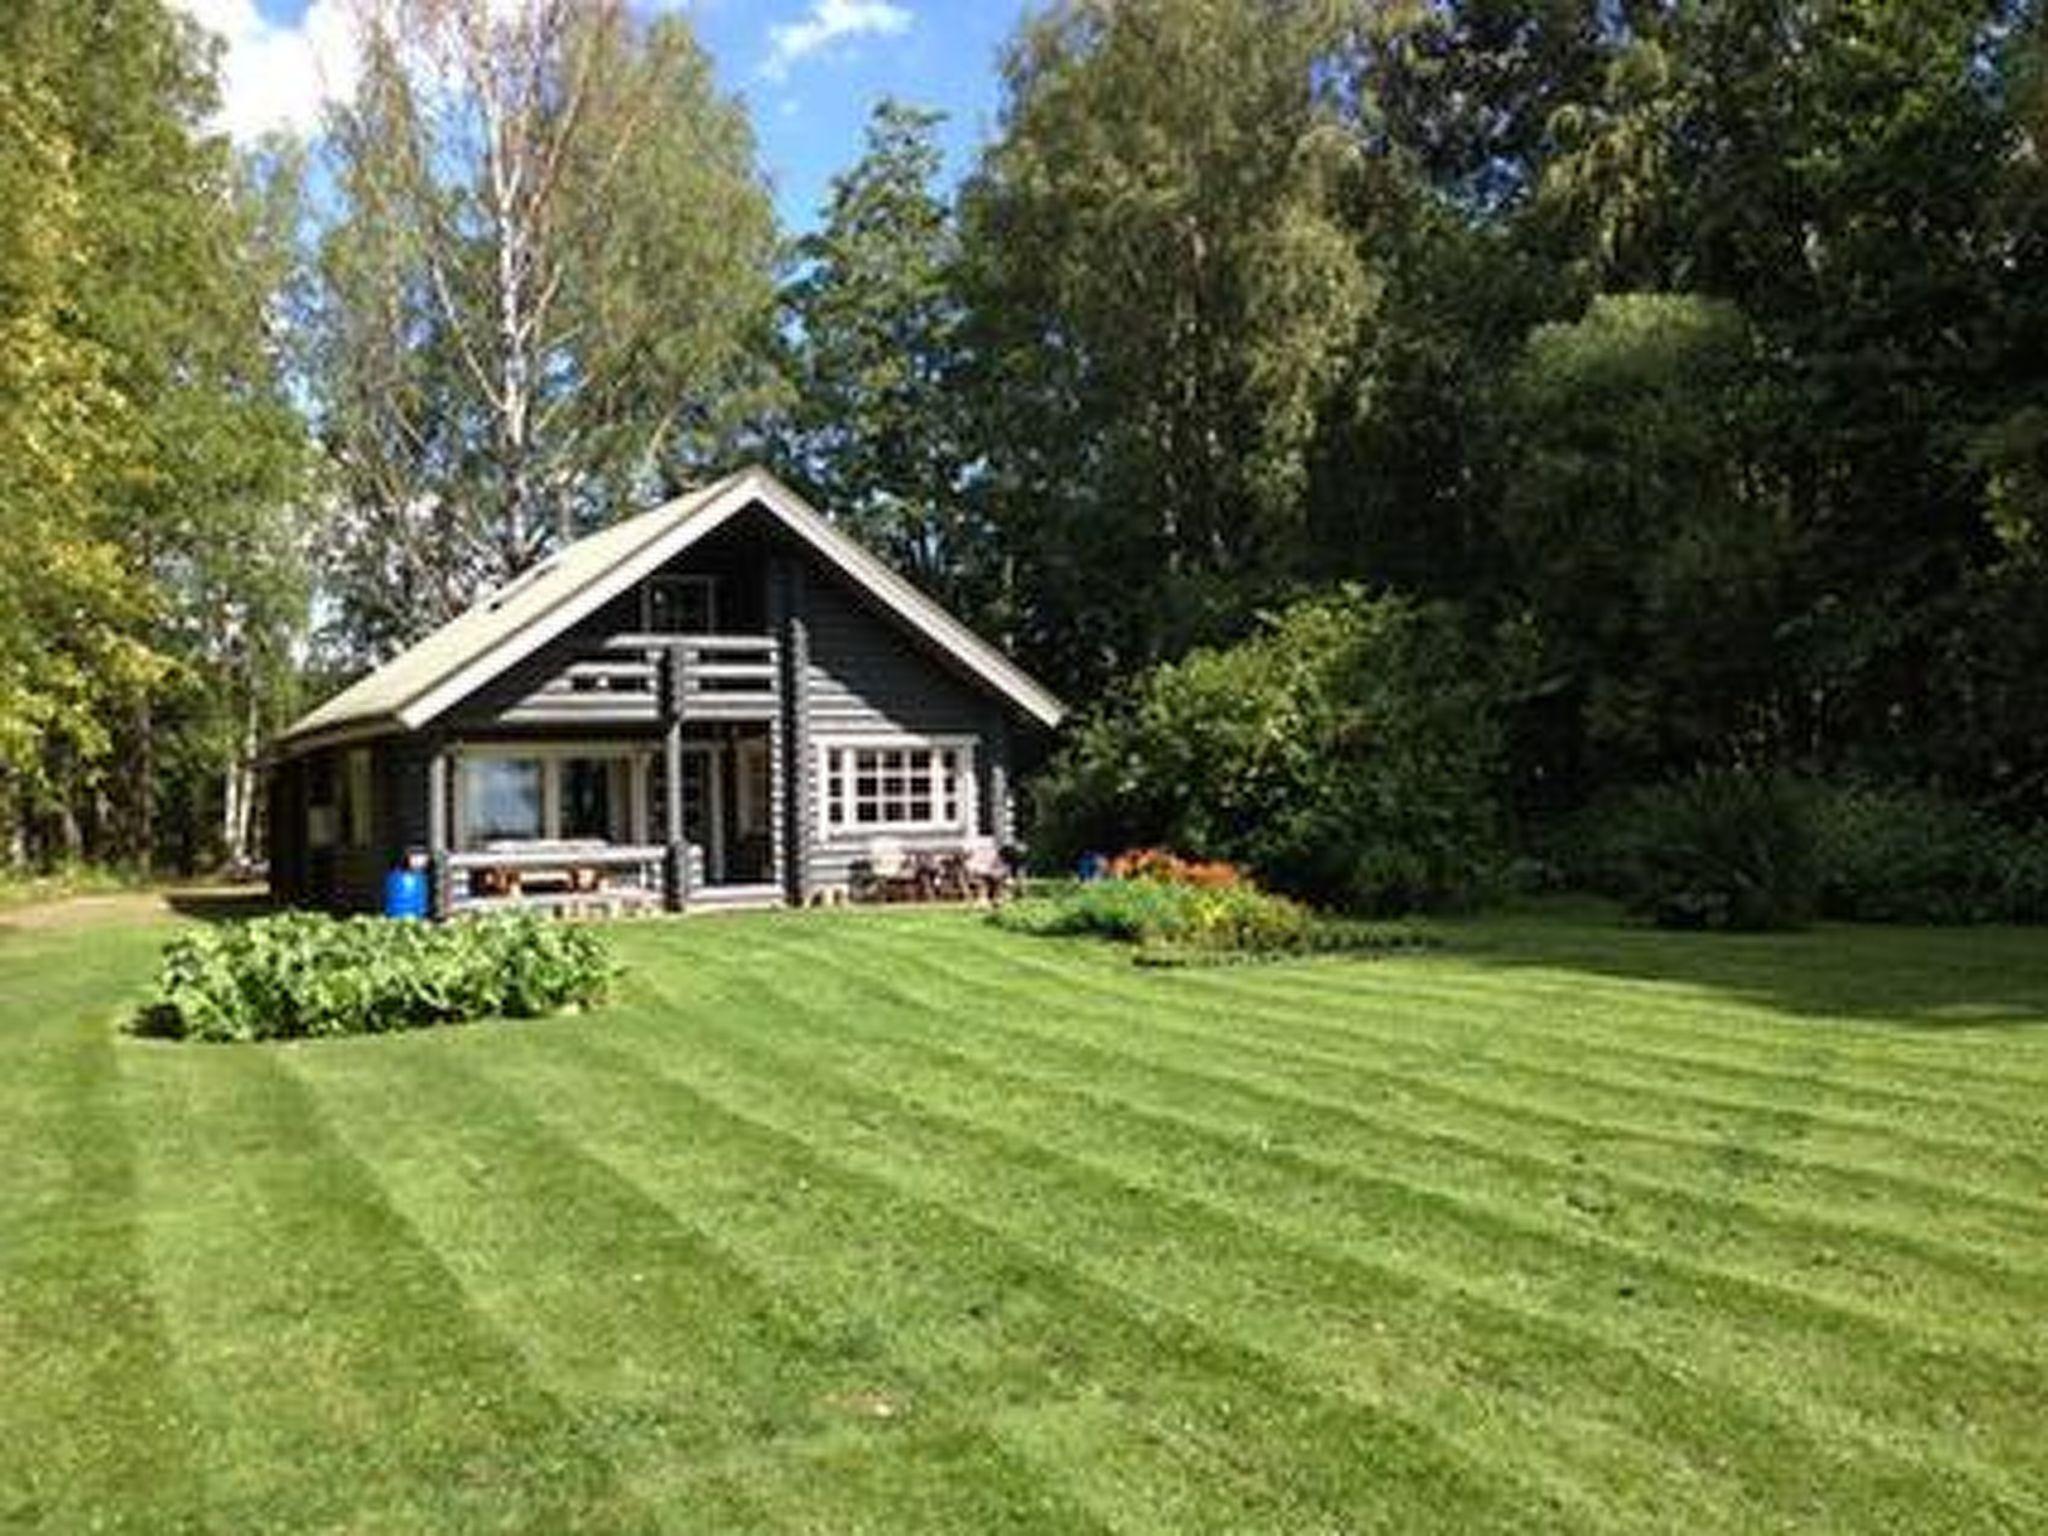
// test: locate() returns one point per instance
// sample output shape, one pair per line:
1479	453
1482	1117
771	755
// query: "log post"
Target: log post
440	878
676	873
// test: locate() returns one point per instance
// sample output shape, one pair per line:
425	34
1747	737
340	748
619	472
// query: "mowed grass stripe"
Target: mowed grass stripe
1846	1059
1942	1222
338	1376
1998	1307
92	1422
1392	1057
1989	1131
1333	1318
1872	976
1145	1415
1005	1097
727	1402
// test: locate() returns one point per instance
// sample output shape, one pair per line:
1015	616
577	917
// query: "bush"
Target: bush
1892	855
300	975
1722	849
1345	756
1905	856
1174	921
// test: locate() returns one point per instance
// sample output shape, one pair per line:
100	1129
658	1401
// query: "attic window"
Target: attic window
682	605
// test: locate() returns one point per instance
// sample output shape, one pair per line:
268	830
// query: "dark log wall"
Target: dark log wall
848	671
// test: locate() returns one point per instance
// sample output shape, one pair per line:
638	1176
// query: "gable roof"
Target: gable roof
526	613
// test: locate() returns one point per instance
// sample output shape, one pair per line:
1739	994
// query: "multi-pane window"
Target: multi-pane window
893	786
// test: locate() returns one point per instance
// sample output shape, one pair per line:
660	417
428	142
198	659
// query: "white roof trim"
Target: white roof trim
672	529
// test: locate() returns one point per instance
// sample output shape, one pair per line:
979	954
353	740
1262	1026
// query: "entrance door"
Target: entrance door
753	859
704	805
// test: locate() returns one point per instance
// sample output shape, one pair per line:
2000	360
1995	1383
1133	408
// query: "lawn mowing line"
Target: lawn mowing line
2023	1125
92	1414
1991	1482
1823	1303
1851	1050
1338	1422
1880	1246
1116	1001
1843	965
550	1171
335	1243
1934	1194
1395	978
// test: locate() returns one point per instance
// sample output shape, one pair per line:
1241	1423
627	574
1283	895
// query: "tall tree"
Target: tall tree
158	316
1164	293
877	353
546	297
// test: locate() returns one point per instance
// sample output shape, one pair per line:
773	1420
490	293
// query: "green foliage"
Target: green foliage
876	430
304	975
150	585
1345	754
1163	291
1173	923
1647	541
1725	848
1908	856
544	300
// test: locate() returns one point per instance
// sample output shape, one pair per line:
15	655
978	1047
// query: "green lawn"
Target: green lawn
881	1222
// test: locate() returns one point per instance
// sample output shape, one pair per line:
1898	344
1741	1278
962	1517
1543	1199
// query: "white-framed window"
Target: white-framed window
681	605
904	785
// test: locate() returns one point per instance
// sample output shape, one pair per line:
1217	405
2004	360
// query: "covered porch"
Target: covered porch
647	775
584	823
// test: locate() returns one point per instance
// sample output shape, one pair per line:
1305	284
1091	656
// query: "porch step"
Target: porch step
733	898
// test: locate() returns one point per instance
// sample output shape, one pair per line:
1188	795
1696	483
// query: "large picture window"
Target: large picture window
546	794
895	786
501	800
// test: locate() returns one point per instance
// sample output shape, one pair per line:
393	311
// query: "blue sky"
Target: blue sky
810	119
809	71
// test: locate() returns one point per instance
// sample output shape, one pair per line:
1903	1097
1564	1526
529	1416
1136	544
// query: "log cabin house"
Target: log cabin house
723	701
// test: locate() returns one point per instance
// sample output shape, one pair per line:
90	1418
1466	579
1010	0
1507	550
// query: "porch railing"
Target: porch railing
608	876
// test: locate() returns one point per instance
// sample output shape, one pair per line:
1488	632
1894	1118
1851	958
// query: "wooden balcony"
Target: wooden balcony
637	679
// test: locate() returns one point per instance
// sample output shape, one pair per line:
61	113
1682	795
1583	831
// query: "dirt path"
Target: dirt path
131	907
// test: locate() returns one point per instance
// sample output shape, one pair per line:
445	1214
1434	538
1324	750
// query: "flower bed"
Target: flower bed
1172	922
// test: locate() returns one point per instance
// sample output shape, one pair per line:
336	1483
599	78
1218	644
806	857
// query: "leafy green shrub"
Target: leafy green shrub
1169	921
1346	755
1906	856
1894	855
301	974
1722	849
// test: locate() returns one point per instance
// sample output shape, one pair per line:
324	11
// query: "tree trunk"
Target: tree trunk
145	785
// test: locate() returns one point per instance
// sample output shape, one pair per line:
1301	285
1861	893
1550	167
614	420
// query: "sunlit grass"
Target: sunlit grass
895	1221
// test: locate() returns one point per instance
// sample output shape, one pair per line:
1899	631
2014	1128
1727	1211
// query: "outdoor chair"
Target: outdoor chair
985	872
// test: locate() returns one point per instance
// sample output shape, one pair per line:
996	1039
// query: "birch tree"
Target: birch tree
545	299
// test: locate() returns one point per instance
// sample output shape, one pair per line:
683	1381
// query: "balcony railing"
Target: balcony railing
709	677
714	677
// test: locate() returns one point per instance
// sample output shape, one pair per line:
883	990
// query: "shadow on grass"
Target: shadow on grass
220	904
1935	979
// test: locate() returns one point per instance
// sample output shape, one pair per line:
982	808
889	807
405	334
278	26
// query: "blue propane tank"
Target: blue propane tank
405	893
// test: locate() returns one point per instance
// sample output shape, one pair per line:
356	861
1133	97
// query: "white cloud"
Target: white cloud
828	22
275	75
